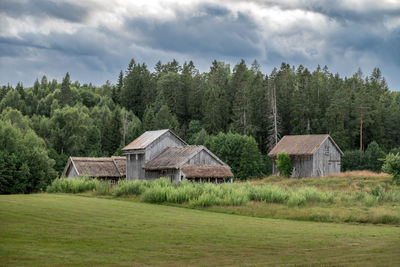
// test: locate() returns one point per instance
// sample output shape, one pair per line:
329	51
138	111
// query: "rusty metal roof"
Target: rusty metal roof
147	138
172	157
301	144
97	167
206	171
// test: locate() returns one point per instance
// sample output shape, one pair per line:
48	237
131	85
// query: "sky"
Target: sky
93	40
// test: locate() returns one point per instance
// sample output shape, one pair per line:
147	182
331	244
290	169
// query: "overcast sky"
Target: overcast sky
93	40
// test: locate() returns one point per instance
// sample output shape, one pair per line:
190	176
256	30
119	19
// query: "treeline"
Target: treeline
85	120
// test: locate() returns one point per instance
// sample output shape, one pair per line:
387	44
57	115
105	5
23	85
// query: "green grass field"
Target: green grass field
60	229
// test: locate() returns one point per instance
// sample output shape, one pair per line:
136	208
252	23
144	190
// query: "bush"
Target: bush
353	160
284	164
360	160
391	165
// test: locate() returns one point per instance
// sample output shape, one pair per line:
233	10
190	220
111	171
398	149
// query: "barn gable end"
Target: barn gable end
311	155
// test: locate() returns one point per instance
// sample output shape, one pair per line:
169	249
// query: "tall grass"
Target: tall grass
72	185
129	188
209	194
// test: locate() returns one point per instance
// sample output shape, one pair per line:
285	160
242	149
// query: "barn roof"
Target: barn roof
174	157
120	163
301	144
206	171
97	167
147	138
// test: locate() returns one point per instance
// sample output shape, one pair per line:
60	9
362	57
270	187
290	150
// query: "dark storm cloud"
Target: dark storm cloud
40	8
352	37
211	30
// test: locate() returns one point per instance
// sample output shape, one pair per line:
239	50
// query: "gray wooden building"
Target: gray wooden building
312	155
162	153
111	169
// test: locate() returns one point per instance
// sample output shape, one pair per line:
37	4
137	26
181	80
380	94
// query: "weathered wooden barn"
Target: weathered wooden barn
312	155
112	169
162	153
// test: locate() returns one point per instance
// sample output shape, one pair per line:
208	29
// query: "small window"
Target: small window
326	150
112	181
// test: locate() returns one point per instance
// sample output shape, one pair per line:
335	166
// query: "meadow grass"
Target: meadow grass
290	193
61	229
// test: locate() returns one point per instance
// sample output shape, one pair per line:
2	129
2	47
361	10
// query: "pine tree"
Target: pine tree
66	93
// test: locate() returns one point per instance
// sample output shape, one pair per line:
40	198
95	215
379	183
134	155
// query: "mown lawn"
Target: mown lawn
58	229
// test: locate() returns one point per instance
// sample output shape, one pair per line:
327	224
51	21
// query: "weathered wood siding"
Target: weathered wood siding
302	166
160	144
326	160
136	159
72	173
134	168
203	158
173	174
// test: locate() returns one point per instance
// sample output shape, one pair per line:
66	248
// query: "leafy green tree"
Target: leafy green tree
12	99
373	156
69	130
353	160
218	98
112	137
284	164
199	138
391	165
148	120
240	152
164	119
24	162
66	97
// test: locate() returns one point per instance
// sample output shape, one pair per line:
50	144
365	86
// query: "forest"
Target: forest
239	113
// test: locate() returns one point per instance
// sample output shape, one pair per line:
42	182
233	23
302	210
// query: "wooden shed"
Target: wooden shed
312	155
111	169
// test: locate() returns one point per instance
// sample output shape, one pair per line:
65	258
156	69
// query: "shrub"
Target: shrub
373	156
284	164
353	160
391	165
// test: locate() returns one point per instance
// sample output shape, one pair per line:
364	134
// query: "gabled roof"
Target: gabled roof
120	163
97	167
301	144
206	171
147	138
174	157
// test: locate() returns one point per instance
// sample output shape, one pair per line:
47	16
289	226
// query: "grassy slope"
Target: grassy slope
48	229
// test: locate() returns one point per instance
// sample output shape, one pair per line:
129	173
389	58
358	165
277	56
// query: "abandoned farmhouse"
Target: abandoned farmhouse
312	155
152	155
